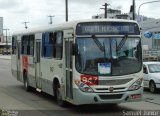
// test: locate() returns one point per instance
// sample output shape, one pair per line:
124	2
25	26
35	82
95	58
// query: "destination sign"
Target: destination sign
107	28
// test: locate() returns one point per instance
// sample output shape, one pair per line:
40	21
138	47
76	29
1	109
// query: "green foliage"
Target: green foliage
3	112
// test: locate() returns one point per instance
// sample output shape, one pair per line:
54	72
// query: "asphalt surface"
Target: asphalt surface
14	98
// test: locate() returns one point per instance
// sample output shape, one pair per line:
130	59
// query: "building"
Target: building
113	14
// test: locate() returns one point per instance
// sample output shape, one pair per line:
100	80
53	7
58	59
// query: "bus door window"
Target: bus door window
38	47
31	45
18	49
58	45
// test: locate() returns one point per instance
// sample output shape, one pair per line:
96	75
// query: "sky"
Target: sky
36	12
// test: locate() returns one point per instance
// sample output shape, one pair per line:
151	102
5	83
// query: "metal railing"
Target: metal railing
151	55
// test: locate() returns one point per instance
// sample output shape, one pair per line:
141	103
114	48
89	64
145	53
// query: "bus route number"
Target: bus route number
51	69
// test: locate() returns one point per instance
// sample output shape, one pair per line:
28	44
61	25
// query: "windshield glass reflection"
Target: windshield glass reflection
116	58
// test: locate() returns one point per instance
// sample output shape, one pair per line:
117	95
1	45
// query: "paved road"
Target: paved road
13	97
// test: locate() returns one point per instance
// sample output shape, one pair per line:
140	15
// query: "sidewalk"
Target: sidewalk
5	57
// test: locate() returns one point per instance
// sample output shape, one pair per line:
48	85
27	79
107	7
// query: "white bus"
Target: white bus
81	62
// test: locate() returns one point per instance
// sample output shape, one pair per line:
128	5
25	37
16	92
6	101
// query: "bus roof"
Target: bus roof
66	25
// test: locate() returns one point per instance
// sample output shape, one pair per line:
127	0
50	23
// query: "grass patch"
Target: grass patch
3	112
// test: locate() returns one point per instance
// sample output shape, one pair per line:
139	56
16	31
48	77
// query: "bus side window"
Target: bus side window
24	45
31	45
27	45
47	50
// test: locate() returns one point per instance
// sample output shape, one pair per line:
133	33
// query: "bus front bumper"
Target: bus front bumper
104	98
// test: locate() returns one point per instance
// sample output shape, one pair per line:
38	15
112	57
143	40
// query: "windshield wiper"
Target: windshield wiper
98	43
122	42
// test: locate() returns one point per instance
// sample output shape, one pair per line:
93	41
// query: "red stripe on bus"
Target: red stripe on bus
25	63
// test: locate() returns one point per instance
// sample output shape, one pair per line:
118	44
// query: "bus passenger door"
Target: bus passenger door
37	63
68	67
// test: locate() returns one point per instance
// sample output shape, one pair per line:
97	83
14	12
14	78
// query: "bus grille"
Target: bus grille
114	82
106	97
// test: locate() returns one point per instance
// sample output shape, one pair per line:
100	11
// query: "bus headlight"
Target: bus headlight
136	85
83	87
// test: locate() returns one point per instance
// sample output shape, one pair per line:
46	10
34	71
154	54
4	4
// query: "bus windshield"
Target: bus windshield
108	56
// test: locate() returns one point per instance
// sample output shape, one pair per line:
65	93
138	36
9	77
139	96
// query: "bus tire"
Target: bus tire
58	95
152	87
26	82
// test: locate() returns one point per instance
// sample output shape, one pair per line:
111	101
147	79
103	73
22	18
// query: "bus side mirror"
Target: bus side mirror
74	49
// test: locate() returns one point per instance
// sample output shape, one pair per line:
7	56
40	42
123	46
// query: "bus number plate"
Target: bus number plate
51	69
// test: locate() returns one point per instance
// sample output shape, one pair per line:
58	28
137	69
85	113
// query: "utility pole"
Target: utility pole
134	9
66	10
6	39
50	16
105	9
25	24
